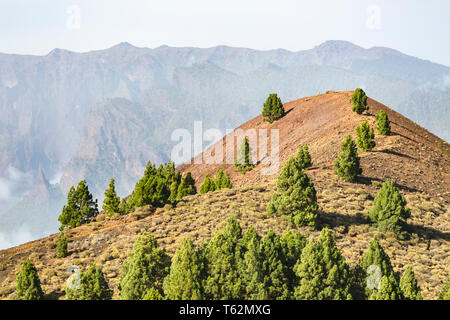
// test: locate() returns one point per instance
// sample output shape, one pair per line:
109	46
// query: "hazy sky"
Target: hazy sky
419	28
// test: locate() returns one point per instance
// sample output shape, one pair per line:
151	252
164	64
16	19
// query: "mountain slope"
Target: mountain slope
323	121
48	102
415	159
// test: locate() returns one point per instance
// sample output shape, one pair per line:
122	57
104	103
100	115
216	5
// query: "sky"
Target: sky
415	27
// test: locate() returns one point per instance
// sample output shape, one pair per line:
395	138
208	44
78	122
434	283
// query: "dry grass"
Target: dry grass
343	207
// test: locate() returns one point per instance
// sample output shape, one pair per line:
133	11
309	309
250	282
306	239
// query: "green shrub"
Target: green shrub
303	157
61	245
28	284
444	294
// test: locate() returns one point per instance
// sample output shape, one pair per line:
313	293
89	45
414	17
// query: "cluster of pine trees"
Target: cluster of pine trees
157	187
160	186
242	265
221	181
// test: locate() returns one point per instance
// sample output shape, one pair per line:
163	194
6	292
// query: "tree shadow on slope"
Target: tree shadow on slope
395	153
369	181
334	219
427	232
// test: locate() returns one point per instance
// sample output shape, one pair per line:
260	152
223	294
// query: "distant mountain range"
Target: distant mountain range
104	114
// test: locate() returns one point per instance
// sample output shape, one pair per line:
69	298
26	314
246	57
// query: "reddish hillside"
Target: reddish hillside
412	157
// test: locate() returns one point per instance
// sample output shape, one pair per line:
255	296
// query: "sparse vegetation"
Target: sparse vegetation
61	245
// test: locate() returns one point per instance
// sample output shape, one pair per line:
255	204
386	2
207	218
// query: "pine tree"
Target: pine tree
273	269
28	285
190	182
80	208
174	186
153	294
187	273
146	267
244	162
226	182
223	254
365	137
383	123
182	190
295	196
251	269
322	271
389	289
273	108
444	294
359	100
409	286
173	191
124	207
112	201
222	180
154	188
389	210
303	157
219	179
347	163
208	185
292	243
93	286
186	187
375	264
61	245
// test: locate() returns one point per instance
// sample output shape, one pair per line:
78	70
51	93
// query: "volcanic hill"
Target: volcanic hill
417	161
